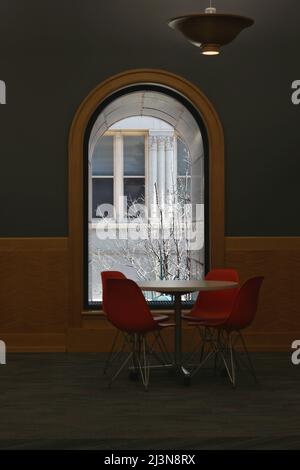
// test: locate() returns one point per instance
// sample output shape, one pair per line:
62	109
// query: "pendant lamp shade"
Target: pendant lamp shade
210	31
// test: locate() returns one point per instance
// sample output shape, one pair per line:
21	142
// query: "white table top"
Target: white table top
185	287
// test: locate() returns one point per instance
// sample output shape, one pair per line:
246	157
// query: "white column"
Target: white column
175	162
118	174
170	175
152	169
161	167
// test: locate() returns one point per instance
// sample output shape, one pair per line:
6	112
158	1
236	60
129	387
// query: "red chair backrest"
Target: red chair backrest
245	305
220	300
127	308
108	275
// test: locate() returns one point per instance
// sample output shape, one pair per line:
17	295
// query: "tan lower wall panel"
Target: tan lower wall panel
279	303
34	289
262	244
34	295
34	342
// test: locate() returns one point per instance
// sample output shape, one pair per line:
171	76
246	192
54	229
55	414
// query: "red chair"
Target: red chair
215	304
113	354
108	275
128	311
212	304
229	329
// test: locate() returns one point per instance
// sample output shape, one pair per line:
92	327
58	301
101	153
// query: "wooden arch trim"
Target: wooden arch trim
76	155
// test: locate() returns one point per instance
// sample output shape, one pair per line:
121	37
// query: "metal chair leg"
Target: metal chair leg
112	355
232	359
128	340
225	349
208	339
163	349
251	367
143	361
236	359
189	356
120	369
217	353
203	344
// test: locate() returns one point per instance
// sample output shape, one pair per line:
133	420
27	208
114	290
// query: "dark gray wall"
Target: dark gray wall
52	53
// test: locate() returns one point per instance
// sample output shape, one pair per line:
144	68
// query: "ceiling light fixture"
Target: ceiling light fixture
210	30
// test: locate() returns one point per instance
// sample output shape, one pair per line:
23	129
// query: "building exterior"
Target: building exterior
141	181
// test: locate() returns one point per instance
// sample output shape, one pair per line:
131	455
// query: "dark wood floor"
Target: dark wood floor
61	401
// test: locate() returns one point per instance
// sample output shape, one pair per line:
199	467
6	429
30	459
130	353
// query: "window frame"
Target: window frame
160	305
117	85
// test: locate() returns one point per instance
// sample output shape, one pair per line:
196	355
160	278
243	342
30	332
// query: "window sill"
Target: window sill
100	313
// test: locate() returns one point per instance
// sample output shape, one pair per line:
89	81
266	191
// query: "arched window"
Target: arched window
195	125
146	173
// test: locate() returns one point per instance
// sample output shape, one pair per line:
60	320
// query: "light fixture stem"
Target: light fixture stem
210	9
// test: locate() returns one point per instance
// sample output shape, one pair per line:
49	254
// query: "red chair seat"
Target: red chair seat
105	275
127	308
217	304
243	310
207	316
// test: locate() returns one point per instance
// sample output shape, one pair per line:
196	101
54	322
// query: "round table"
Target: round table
179	288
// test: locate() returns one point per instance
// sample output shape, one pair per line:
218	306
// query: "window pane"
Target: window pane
134	189
103	157
134	155
184	190
183	159
102	193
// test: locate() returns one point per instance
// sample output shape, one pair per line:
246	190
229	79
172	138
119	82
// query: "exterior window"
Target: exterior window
134	168
134	155
102	194
102	173
118	170
134	190
143	169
